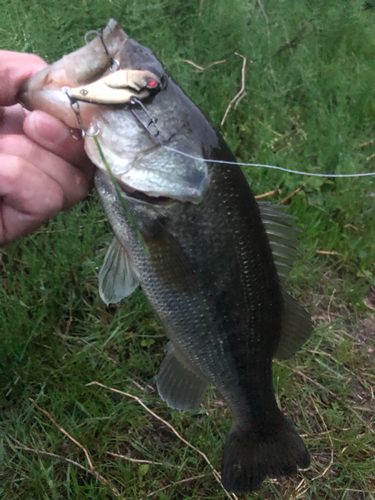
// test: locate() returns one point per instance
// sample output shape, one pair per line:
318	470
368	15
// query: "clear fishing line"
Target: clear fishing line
75	107
274	167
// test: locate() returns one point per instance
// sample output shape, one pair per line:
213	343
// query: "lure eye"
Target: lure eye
151	83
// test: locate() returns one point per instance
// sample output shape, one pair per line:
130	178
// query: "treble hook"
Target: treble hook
74	104
91	32
114	63
111	60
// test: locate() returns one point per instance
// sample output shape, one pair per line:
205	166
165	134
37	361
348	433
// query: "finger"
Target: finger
72	181
11	119
56	137
15	70
29	197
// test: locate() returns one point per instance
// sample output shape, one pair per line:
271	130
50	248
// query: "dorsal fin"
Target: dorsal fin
282	235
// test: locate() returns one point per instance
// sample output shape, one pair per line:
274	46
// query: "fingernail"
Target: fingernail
49	128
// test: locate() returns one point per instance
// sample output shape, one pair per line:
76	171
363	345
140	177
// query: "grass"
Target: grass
309	106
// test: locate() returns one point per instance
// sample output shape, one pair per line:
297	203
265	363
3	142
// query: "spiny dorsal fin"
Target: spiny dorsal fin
296	328
282	235
180	384
117	278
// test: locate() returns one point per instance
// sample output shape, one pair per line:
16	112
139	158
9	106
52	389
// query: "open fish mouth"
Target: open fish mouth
142	197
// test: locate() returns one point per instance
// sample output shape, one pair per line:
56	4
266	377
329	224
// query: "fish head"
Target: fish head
118	92
46	90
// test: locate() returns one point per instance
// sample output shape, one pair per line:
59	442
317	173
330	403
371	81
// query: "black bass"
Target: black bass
209	258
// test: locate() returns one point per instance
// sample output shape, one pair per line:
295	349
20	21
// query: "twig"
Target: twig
329	305
370	157
138	385
140	461
240	99
265	17
269	193
295	41
200	8
105	355
330	439
200	67
329	392
287	198
239	95
351	225
48	454
93	471
174	484
66	433
214	471
364	144
327	252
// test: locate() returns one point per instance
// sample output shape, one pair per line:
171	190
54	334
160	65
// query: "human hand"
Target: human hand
42	168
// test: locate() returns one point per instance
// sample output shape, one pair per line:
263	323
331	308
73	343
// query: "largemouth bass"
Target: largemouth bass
209	258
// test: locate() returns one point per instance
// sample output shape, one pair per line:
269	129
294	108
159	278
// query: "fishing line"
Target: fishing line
75	107
237	163
274	167
119	196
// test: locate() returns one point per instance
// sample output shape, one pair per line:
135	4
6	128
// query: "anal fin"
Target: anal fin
180	384
117	278
296	328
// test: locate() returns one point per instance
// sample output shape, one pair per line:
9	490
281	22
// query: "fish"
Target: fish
211	260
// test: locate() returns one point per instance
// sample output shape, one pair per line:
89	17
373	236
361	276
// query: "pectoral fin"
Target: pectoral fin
117	278
296	328
180	384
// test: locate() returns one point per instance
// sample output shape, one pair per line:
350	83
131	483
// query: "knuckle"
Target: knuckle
15	145
34	59
50	201
53	202
77	193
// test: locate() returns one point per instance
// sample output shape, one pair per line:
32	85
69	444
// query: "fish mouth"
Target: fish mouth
142	197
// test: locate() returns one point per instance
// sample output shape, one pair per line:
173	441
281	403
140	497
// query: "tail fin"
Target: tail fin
251	455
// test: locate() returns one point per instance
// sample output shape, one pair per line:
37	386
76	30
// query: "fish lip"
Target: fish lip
142	197
135	195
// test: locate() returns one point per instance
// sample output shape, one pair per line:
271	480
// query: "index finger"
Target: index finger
15	69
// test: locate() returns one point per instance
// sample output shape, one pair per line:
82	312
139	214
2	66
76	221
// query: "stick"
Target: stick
242	90
48	454
265	17
269	193
140	461
329	392
287	198
94	472
174	484
214	471
200	67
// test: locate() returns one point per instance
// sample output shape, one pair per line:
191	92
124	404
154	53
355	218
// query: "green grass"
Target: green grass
309	106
